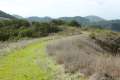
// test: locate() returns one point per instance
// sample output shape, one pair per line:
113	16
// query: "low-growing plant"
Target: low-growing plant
92	35
80	54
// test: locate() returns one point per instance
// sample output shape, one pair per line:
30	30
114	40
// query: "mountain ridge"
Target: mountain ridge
39	19
85	21
93	18
6	15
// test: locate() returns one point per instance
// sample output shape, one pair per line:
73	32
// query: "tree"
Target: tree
74	23
57	22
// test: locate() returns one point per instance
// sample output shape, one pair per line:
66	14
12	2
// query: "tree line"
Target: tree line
17	29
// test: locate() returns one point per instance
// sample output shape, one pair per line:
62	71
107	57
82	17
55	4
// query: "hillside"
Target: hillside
83	55
59	40
94	18
39	19
67	51
84	21
79	19
111	24
6	15
18	16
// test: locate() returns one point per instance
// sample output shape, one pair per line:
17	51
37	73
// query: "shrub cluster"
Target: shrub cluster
72	23
16	29
107	39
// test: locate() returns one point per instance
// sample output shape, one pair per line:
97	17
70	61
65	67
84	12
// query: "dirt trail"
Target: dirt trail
75	52
90	45
84	38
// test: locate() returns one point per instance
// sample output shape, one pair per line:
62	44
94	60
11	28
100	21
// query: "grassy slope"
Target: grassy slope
30	63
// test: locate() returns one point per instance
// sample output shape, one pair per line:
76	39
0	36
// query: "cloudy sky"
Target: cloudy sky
109	9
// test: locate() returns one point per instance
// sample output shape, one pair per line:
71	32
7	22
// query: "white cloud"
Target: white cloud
56	8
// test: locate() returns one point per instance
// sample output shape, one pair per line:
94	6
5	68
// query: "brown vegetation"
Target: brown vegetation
108	40
81	54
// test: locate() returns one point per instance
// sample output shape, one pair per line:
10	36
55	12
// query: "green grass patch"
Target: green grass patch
29	63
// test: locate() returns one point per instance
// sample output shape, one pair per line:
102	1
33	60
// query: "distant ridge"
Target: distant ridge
110	24
17	16
79	19
94	18
39	19
4	15
85	21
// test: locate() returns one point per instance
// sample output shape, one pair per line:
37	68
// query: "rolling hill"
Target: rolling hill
110	24
39	19
87	21
17	16
79	19
94	18
4	15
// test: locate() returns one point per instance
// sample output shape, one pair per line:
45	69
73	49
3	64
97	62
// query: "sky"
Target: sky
108	9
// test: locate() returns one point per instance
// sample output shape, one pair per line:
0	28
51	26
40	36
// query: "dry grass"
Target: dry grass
69	30
79	54
8	46
108	40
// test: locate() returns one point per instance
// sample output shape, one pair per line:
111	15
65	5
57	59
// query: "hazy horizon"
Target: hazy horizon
107	9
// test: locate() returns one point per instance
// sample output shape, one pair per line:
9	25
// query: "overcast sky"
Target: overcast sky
109	9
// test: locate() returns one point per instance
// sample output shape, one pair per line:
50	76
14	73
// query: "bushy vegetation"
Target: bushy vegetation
74	23
81	54
107	39
16	29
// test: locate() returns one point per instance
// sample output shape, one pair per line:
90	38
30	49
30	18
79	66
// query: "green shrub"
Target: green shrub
57	22
12	29
92	35
74	23
4	36
25	33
